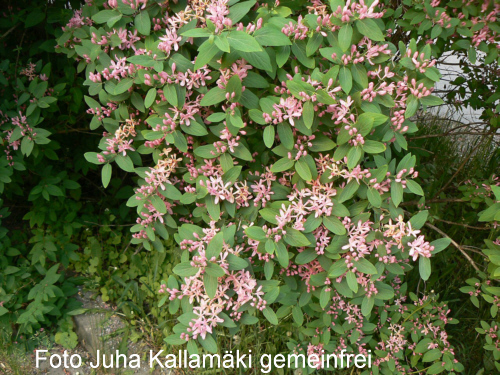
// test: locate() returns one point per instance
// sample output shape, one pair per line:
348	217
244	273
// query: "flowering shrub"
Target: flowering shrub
269	143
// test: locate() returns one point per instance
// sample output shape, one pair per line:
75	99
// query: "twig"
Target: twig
444	200
447	134
9	31
459	169
138	249
473	249
463	225
18	54
109	225
433	227
423	149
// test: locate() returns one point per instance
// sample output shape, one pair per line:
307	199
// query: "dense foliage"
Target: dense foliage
266	149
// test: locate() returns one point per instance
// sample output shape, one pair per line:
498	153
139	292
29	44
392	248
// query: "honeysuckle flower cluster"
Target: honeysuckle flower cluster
269	150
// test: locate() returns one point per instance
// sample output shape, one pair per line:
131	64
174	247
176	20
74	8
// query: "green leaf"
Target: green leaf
299	50
206	52
363	265
241	41
282	164
259	60
353	157
313	43
240	10
440	244
185	269
424	266
295	238
106	174
194	128
210	283
431	100
137	101
158	204
214	96
27	146
414	187
125	163
234	86
321	143
170	92
345	79
351	281
359	75
122	86
306	256
436	368
256	233
411	106
34	18
282	254
269	134
270	316
308	114
396	192
367	305
215	245
242	152
337	269
348	191
370	29
105	15
213	269
208	343
150	98
374	197
271	36
490	213
212	207
222	43
298	315
373	147
334	225
285	134
432	355
54	190
142	22
68	340
345	36
197	33
143	60
236	263
303	170
417	221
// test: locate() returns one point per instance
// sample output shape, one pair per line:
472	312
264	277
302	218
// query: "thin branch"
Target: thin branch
72	130
18	54
459	169
447	134
474	250
429	225
444	200
109	225
9	31
423	149
462	225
